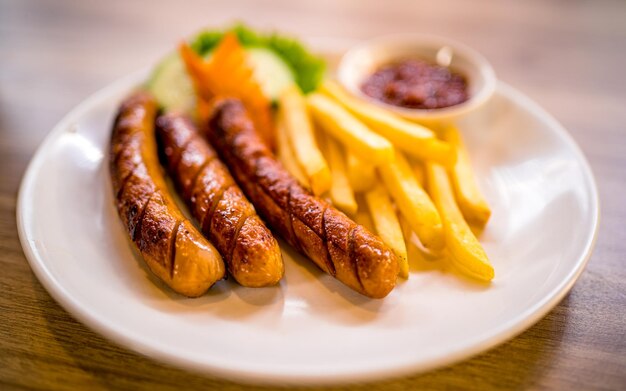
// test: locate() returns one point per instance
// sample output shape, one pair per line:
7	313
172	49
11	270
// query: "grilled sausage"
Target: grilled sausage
227	218
169	243
336	244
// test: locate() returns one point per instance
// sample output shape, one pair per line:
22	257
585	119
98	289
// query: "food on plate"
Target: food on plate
413	202
226	217
468	196
286	155
340	247
277	62
362	215
171	246
357	137
171	86
417	255
255	94
341	192
416	84
229	74
307	69
412	138
418	171
404	176
301	137
387	225
466	253
361	173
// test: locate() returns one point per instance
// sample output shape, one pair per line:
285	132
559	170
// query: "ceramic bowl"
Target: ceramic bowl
364	59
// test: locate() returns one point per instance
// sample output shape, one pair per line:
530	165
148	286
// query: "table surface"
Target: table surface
568	56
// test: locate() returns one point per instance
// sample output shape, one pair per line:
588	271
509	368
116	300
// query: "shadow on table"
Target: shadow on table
515	364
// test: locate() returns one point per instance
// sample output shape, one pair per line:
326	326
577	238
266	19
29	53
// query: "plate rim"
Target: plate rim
501	334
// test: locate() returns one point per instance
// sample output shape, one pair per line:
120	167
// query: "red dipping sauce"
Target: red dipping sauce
416	84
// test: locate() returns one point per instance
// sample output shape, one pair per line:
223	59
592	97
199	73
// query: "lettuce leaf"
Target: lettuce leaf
307	68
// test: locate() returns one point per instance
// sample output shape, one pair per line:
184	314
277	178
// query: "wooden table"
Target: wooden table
569	56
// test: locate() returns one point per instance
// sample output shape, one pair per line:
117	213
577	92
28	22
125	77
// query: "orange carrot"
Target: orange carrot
228	74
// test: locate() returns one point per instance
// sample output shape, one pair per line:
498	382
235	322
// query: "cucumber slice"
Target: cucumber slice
270	71
173	89
171	86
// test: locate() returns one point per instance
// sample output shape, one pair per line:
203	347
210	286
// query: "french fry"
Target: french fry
362	215
387	225
468	196
302	140
337	121
362	175
413	202
286	154
418	170
417	256
466	253
341	192
416	140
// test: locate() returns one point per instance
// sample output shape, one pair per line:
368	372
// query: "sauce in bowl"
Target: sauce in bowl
416	84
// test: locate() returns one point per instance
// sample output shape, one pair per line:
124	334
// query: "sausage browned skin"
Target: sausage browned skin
169	243
227	218
340	247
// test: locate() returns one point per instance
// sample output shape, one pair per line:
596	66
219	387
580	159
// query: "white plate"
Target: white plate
310	328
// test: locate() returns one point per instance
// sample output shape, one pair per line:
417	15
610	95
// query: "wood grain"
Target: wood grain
569	56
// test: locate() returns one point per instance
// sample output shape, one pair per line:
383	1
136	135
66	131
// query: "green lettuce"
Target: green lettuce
307	68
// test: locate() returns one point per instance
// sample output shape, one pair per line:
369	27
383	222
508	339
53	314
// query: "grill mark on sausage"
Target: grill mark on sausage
329	261
161	123
196	176
116	158
206	224
116	151
125	181
127	139
272	195
189	196
297	244
172	247
142	214
238	228
354	263
175	164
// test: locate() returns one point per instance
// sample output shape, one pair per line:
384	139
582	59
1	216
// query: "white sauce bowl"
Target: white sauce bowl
358	63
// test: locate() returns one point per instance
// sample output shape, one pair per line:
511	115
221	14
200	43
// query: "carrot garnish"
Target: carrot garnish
227	74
